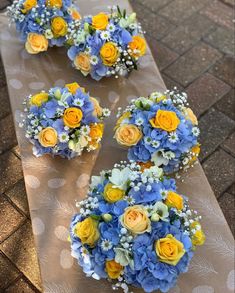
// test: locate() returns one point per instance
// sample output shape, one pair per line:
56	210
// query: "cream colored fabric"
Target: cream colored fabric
53	185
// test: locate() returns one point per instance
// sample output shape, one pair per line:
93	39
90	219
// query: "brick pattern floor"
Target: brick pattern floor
192	42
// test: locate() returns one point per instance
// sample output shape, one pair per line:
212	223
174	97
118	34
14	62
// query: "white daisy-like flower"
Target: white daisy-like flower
155	144
173	137
133	26
49	34
78	102
185	161
139	121
87	50
106	245
94	60
63	137
169	155
106	112
129	199
105	35
195	131
148	140
163	193
111	27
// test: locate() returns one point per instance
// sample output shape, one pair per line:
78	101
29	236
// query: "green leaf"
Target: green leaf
96	217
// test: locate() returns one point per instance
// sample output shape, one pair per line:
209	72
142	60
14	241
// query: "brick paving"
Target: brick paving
193	44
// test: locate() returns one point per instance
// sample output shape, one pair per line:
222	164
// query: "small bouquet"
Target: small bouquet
160	130
106	44
42	23
135	228
64	121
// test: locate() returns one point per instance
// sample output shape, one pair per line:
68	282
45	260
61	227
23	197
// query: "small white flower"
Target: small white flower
78	102
163	193
155	144
106	112
195	131
85	130
94	60
133	26
169	155
105	35
148	140
111	27
185	161
139	121
106	245
173	137
49	34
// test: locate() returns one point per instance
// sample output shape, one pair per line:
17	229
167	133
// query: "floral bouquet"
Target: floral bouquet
106	44
42	23
160	130
64	121
134	228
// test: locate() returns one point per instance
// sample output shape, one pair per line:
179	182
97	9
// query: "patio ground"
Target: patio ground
193	44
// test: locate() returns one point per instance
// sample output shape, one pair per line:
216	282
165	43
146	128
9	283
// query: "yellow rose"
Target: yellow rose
39	99
36	43
109	53
97	109
28	5
73	87
112	194
96	130
136	219
189	115
87	231
174	200
100	21
128	134
166	120
146	165
75	14
113	269
138	46
48	137
54	3
72	117
198	237
196	151
82	62
169	250
59	27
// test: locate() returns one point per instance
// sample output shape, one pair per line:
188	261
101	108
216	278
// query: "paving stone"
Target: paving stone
193	63
4	102
188	33
227	203
18	195
225	70
21	286
220	171
231	189
229	144
10	170
10	218
179	10
20	249
170	84
219	13
215	128
227	104
7	134
229	2
158	24
162	55
8	272
206	91
152	5
222	39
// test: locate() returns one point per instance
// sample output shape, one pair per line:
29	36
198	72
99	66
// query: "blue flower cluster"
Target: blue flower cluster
106	44
102	234
36	16
64	121
172	149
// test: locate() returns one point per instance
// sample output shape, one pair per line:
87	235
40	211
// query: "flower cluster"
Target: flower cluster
160	130
135	228
42	23
64	121
106	44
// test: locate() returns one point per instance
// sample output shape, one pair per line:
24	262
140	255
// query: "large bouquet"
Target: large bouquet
160	130
42	23
135	228
106	44
64	121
